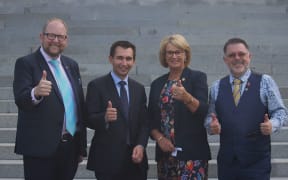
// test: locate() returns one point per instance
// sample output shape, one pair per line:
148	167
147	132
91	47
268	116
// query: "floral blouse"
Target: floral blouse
167	111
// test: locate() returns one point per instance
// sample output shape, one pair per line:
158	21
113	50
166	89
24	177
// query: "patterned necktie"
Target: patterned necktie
67	96
236	90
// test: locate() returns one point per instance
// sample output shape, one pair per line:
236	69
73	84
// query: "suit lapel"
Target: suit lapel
115	96
44	66
110	86
132	95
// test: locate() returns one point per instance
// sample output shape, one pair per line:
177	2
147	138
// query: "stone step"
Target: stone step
7	135
273	178
8	120
90	66
6	81
86	53
279	150
14	169
9	106
146	73
93	27
6	93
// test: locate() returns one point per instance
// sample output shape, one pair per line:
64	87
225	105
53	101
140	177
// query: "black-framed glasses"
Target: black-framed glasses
52	36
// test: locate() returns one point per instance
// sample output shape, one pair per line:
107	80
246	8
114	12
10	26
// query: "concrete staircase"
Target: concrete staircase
95	24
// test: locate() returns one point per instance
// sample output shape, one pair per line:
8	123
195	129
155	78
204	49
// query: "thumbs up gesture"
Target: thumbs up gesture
178	91
215	126
111	113
44	87
266	126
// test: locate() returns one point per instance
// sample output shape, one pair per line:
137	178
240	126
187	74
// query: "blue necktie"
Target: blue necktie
125	107
124	99
67	96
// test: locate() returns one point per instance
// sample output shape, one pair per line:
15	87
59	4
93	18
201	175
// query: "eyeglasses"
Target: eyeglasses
52	36
233	55
171	53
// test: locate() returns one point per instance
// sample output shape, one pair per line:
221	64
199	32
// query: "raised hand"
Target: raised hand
215	126
111	113
266	126
178	91
44	86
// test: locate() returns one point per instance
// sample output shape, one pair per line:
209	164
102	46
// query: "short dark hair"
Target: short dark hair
123	44
235	41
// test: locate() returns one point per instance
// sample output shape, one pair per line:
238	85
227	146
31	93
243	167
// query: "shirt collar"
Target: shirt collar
46	56
117	79
243	78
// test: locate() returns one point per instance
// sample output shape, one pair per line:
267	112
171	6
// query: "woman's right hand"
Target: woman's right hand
166	145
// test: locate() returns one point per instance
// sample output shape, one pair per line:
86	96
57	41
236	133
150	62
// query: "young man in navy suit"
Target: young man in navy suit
121	131
50	131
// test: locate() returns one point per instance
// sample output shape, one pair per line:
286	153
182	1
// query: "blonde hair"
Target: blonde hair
178	41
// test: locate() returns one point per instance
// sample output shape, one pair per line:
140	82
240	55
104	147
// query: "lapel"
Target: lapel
132	97
44	66
185	77
68	70
112	89
115	96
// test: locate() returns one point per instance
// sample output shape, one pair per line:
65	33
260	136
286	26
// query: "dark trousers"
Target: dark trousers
130	170
61	166
259	170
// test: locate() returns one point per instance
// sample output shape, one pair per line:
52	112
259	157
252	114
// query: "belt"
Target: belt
66	137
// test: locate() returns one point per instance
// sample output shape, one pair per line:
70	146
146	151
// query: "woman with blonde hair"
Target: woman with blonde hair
177	108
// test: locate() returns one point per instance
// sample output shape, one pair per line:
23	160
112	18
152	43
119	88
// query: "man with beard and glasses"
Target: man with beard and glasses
245	108
48	92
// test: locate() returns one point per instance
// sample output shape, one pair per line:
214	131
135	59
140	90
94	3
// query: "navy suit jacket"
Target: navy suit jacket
108	146
40	126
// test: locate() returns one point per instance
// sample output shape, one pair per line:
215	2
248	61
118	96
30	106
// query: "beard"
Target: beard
53	50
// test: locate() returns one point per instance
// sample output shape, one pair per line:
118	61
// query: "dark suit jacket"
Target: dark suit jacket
40	126
190	133
108	147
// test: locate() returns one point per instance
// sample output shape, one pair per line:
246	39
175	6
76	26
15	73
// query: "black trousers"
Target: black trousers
61	166
130	170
